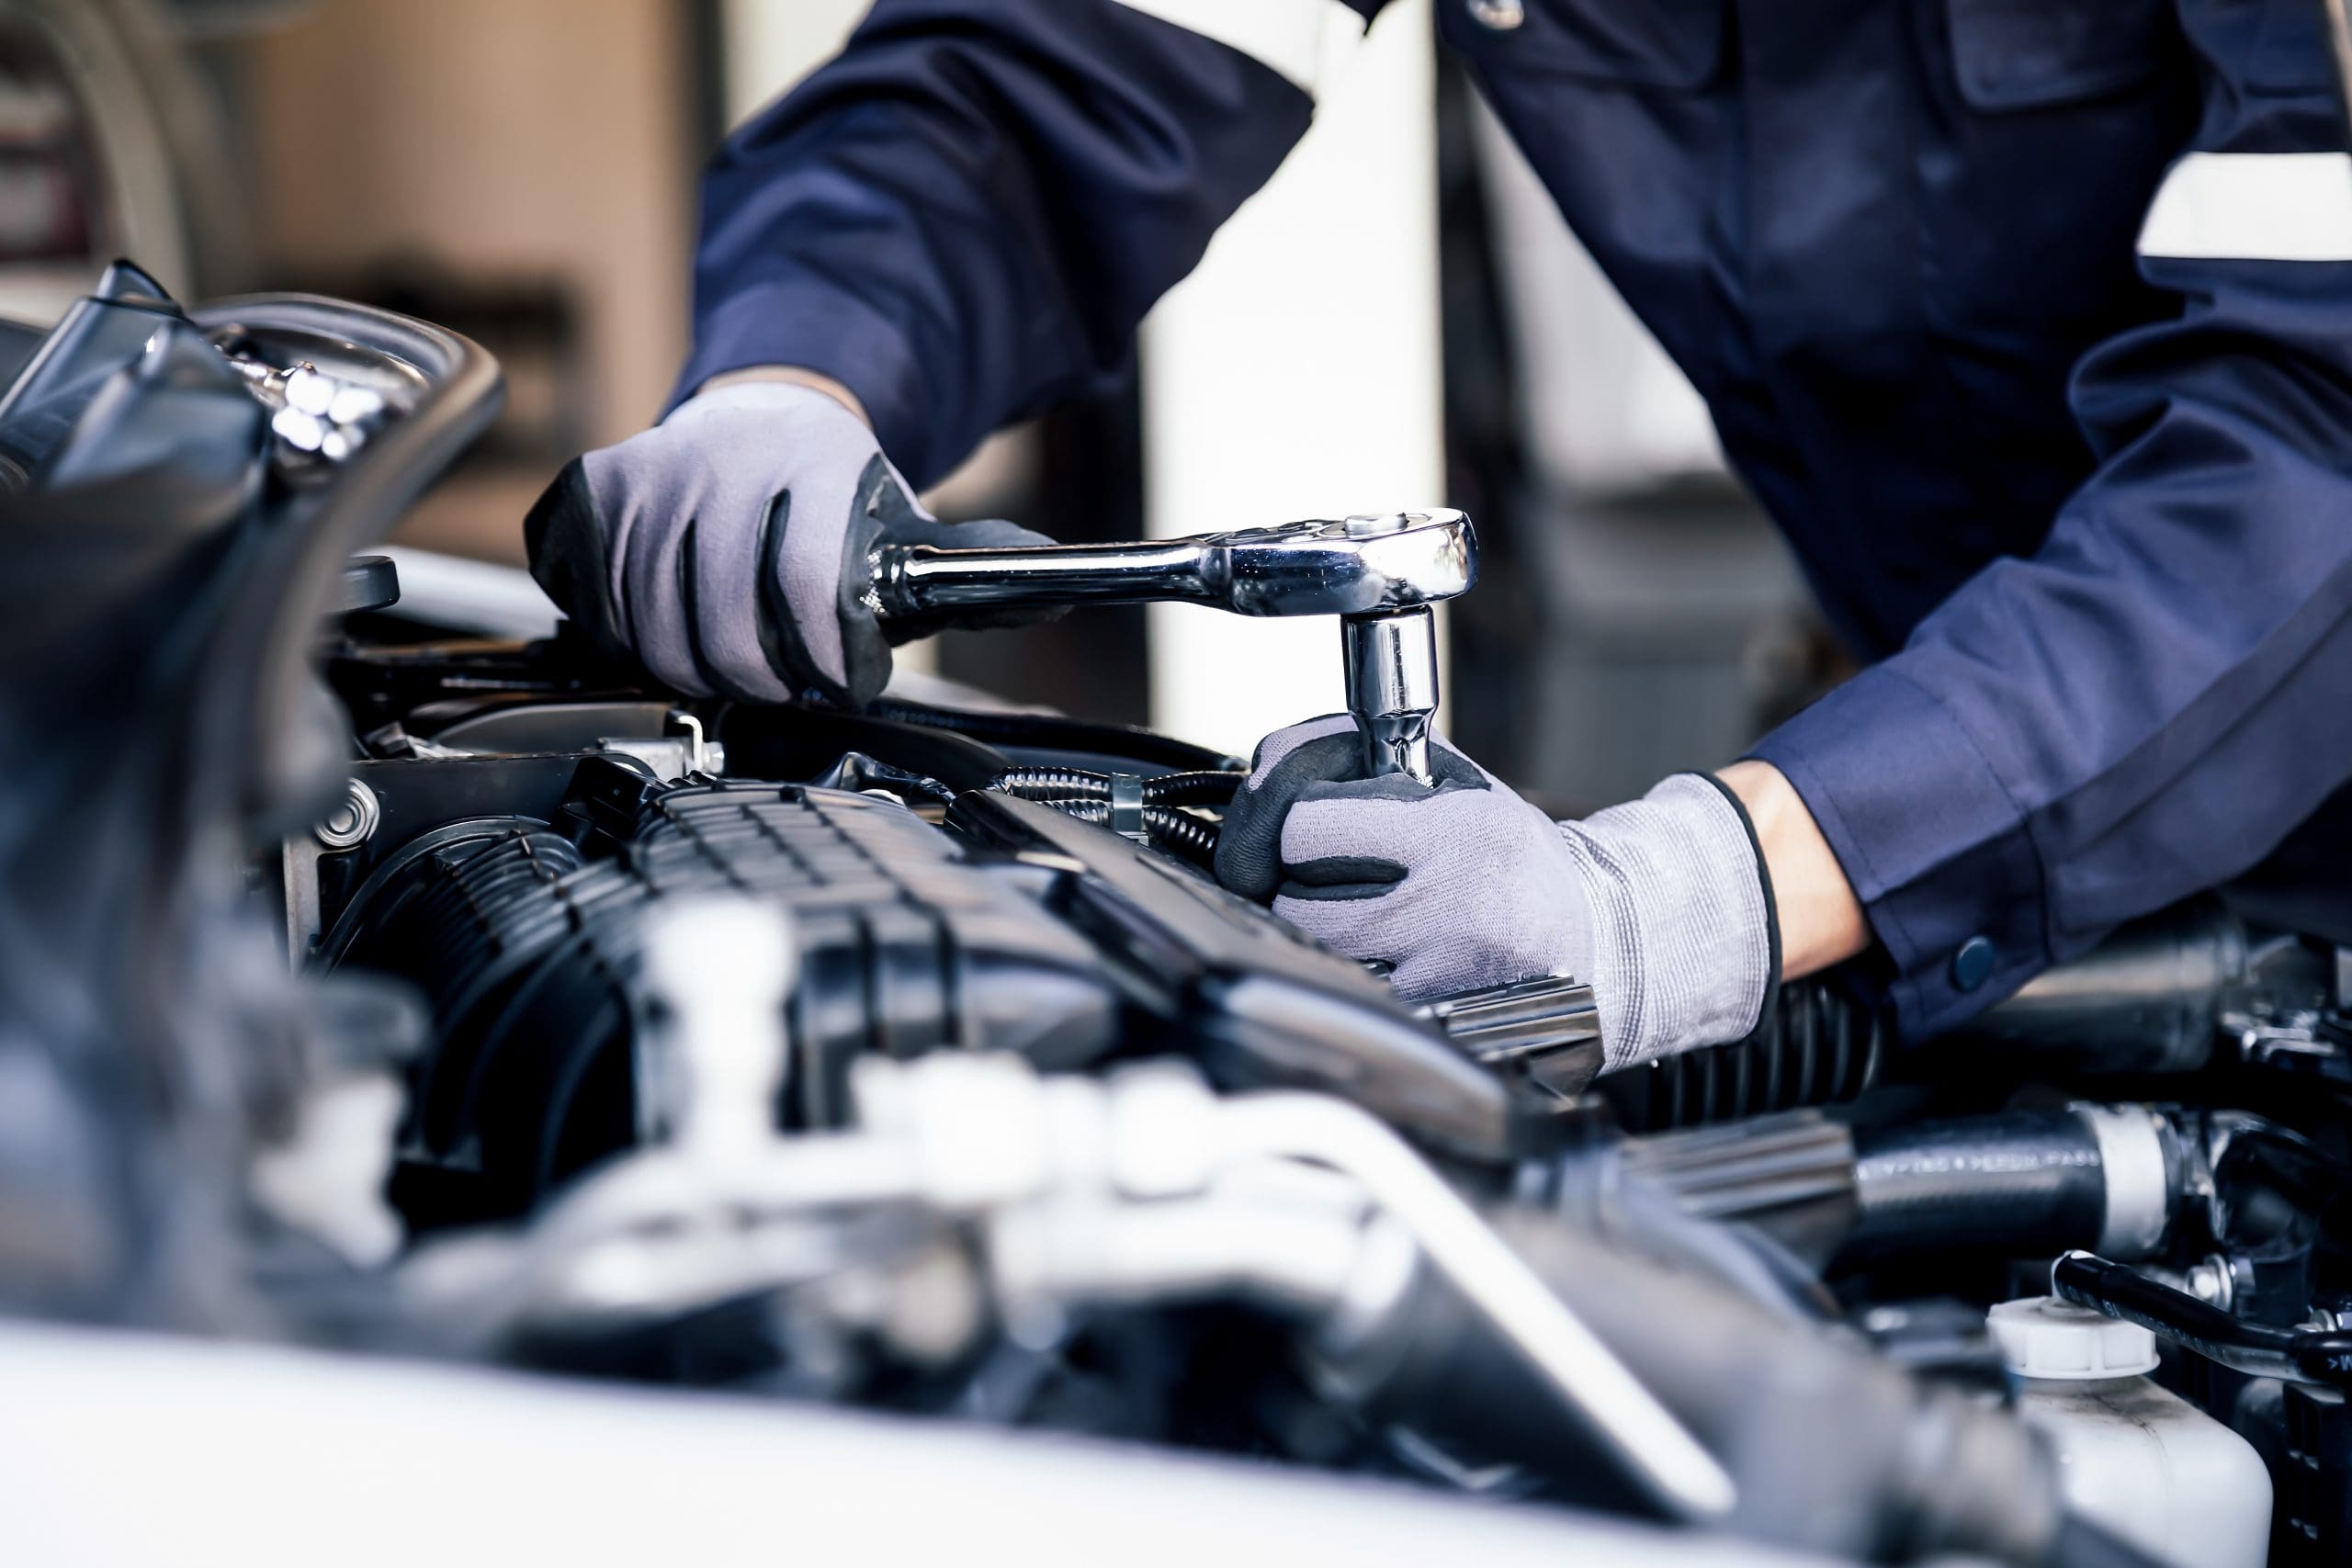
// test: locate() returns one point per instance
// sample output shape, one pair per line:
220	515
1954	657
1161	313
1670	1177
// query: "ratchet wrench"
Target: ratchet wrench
1379	574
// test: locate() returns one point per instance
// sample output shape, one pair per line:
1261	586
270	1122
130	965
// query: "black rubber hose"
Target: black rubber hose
1175	831
1182	833
1199	788
1055	732
2022	1183
2297	1355
1196	788
1823	1047
1052	784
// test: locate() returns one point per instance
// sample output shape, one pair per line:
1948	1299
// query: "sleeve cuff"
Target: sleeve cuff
818	325
1935	847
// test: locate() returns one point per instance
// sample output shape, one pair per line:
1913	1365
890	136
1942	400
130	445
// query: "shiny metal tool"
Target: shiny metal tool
1379	574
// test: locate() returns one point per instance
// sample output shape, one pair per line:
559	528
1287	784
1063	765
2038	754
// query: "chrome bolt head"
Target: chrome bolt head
353	819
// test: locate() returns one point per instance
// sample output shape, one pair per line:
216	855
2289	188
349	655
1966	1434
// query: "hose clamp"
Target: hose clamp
2135	1154
1126	808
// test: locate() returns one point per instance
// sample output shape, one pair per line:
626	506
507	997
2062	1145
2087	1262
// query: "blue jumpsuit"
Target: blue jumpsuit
2028	320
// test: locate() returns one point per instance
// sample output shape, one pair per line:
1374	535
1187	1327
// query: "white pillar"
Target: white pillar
1297	374
771	44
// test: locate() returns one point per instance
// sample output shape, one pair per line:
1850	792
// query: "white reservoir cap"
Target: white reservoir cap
2041	1336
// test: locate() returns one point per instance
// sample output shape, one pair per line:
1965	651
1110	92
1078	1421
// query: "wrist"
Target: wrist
1821	921
787	375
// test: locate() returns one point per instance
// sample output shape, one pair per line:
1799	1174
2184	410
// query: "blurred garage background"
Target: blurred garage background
525	170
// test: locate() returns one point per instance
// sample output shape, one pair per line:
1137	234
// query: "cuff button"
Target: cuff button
1972	965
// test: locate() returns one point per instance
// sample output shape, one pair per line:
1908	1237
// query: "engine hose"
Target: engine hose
1055	732
2022	1183
1823	1048
1183	834
1052	784
2017	1183
2321	1355
1195	788
1178	832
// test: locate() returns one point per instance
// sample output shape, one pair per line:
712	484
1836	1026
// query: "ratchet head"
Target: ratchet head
1354	566
1380	574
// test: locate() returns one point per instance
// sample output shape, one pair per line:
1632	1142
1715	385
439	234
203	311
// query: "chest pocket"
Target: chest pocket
2031	54
1674	45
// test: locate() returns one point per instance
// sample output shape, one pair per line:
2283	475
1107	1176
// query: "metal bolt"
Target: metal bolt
1501	16
2210	1282
353	819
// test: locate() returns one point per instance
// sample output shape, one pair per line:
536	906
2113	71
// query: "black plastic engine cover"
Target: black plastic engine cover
528	949
1257	1004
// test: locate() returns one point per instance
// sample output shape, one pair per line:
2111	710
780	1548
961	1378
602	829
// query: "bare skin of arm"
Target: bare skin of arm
1821	921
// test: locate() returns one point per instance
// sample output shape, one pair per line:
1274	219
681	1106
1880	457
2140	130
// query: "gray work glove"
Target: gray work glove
1662	904
726	548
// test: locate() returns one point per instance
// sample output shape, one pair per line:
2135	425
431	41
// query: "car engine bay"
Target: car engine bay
376	982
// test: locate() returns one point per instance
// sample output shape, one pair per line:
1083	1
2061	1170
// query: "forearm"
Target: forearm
964	215
1821	920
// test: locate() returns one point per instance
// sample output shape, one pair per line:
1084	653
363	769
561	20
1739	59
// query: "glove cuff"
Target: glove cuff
1770	1008
1684	942
770	396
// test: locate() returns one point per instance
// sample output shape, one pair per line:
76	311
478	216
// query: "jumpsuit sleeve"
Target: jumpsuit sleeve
2148	704
965	215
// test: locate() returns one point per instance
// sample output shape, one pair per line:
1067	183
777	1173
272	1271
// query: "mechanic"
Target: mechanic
2028	320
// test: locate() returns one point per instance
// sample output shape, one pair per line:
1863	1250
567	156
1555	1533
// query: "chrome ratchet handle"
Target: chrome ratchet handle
913	580
1379	574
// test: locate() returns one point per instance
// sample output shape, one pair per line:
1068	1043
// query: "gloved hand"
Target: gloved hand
726	548
1662	905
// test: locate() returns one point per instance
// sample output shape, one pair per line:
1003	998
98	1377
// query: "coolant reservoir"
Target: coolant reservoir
2136	1459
